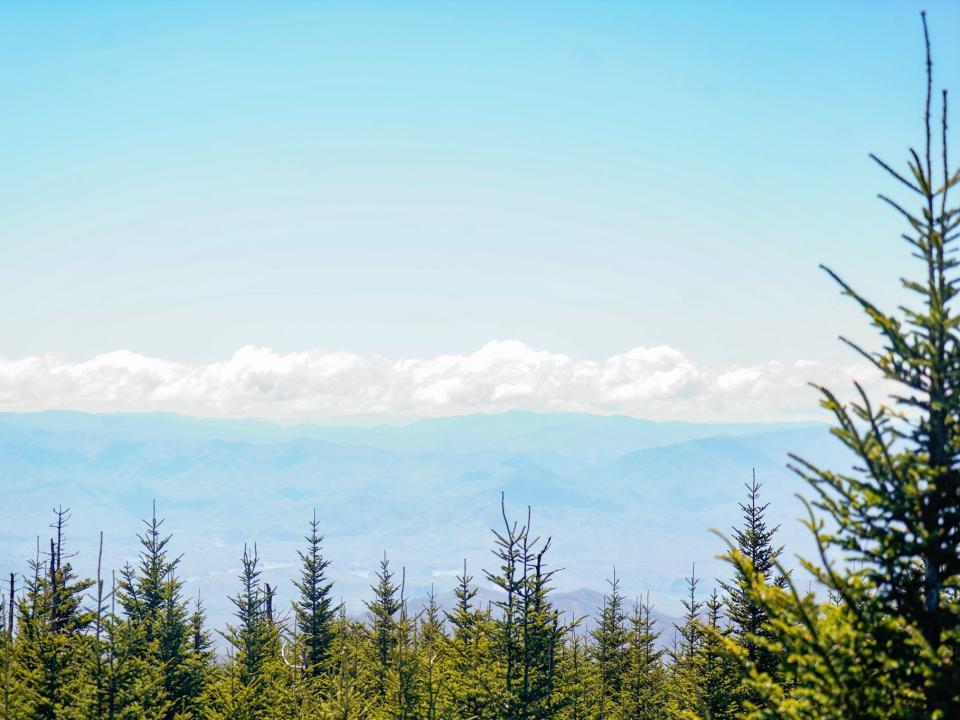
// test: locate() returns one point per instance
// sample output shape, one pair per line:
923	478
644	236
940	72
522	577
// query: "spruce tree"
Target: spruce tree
579	681
471	666
686	678
530	635
151	596
747	618
51	645
887	645
314	609
383	610
720	678
244	688
644	686
432	642
608	650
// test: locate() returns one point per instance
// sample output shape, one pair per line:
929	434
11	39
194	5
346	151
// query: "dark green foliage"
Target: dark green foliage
51	642
644	686
245	685
609	651
314	609
469	661
528	629
754	540
173	670
886	645
383	609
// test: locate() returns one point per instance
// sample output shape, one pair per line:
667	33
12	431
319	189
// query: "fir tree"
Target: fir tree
314	609
643	691
244	687
720	679
686	677
887	645
608	650
470	663
754	541
52	654
383	609
432	651
530	636
152	600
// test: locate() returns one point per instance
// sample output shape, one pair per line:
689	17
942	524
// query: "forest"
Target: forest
873	633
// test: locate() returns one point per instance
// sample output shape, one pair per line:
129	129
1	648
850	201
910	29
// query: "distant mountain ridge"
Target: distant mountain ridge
612	491
521	430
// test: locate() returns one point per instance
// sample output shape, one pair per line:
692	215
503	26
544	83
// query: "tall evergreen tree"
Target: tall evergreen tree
151	596
432	645
471	665
643	691
608	650
530	636
53	659
383	611
685	677
314	609
887	646
747	618
243	690
720	678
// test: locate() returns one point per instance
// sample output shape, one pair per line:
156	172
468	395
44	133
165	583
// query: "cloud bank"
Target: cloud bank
654	382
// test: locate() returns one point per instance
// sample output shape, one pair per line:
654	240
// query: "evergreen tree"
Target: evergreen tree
243	689
509	624
314	609
579	679
471	666
644	691
887	645
530	636
51	647
609	651
432	651
754	541
382	632
404	673
720	679
685	677
151	596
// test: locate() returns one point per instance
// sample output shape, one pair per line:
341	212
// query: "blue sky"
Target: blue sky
410	179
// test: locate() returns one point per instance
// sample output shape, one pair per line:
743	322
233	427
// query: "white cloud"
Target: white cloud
657	382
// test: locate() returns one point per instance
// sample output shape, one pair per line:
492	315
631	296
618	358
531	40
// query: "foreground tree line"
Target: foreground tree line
877	634
136	647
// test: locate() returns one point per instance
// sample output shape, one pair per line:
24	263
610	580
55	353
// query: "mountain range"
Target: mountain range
612	492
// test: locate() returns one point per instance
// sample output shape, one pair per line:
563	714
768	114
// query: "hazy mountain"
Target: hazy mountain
612	491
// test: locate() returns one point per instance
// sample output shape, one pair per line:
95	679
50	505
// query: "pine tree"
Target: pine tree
609	649
509	625
51	647
530	636
579	680
244	687
686	678
471	666
720	679
404	671
432	648
754	541
151	596
383	610
314	609
644	686
887	645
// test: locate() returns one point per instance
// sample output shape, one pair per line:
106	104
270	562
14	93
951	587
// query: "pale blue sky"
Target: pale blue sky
182	179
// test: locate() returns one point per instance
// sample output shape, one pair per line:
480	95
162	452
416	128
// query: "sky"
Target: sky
325	209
